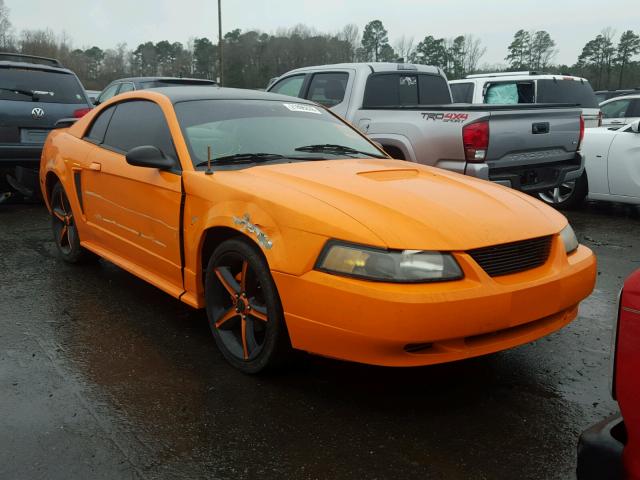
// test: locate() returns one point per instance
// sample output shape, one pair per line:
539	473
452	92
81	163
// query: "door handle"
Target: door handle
95	166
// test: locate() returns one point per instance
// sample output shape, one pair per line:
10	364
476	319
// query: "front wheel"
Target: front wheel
243	308
568	195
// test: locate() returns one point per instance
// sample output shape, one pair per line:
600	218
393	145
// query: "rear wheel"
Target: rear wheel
568	195
243	308
65	230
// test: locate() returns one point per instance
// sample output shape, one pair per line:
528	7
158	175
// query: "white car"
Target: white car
612	169
620	110
528	87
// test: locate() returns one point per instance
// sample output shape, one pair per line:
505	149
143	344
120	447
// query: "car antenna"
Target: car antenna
208	171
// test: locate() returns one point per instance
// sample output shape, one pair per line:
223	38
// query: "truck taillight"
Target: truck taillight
81	112
475	138
581	132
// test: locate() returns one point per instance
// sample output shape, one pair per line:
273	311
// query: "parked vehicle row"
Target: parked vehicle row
408	109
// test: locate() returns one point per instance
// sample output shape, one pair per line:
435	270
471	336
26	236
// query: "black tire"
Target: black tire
572	196
65	230
243	307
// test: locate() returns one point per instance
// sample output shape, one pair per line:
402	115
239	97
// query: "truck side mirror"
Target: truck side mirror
635	127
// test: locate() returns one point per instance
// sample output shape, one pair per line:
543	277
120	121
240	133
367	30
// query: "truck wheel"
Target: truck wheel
244	309
65	230
568	195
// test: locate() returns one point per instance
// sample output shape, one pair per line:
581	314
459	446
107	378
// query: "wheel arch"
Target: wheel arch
214	236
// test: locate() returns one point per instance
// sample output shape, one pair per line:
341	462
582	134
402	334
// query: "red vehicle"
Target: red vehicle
611	448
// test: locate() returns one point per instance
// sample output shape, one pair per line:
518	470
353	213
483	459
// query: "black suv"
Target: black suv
123	85
35	92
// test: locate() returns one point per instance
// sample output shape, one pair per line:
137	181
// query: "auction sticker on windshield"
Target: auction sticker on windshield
298	107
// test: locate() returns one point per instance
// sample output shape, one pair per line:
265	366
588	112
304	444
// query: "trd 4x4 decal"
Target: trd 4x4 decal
445	117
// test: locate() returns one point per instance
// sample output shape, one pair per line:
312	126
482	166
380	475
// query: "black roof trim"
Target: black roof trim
20	57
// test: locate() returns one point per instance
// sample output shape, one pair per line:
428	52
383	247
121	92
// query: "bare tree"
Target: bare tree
6	41
404	47
351	35
473	52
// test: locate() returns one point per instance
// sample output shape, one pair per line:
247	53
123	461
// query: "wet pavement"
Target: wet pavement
103	376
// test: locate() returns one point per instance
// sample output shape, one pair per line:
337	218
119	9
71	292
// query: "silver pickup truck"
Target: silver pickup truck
408	110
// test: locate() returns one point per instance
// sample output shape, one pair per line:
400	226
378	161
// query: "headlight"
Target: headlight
569	239
400	266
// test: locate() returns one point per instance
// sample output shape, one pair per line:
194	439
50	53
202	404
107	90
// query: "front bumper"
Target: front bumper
600	449
530	178
422	324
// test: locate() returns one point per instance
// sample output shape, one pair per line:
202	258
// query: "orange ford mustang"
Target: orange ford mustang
295	231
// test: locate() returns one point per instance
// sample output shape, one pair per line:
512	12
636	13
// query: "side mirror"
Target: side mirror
150	157
635	127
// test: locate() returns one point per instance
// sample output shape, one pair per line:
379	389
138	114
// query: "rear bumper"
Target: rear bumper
24	155
600	449
530	178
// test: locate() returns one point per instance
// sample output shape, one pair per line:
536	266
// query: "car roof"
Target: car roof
621	97
155	79
190	93
504	77
373	67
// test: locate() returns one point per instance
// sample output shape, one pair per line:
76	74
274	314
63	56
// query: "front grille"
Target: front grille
513	257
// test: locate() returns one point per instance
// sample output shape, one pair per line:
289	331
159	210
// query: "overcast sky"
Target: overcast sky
571	23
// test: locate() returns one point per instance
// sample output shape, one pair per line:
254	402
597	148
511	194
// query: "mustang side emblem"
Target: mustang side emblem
37	113
245	223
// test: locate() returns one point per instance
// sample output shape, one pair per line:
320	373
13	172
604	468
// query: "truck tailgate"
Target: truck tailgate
532	136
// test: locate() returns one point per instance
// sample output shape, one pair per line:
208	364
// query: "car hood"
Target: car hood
410	206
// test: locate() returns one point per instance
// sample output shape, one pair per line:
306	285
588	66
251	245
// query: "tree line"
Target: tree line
253	57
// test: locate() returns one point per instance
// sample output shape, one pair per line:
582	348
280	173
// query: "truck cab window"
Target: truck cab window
328	89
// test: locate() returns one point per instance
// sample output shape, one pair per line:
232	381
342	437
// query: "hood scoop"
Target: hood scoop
390	175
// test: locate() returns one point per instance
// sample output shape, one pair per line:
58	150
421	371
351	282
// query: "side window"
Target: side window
462	92
99	127
289	86
509	93
138	123
328	89
108	93
617	109
126	87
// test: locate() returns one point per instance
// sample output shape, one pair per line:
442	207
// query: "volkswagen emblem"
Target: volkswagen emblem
37	113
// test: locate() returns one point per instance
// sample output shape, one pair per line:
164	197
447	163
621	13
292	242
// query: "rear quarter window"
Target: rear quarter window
567	91
27	85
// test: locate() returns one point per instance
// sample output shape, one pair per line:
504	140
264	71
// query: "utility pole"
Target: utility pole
220	62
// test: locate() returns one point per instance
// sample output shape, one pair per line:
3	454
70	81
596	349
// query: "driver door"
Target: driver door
134	212
624	164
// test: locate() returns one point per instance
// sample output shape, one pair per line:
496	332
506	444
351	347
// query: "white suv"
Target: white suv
528	87
620	111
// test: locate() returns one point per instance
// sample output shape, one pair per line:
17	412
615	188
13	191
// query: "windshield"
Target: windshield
290	130
45	86
567	91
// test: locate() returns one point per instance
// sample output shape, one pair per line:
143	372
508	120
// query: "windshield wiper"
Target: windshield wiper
337	149
242	158
26	93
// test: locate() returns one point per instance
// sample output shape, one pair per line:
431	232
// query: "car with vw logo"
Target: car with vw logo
35	93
